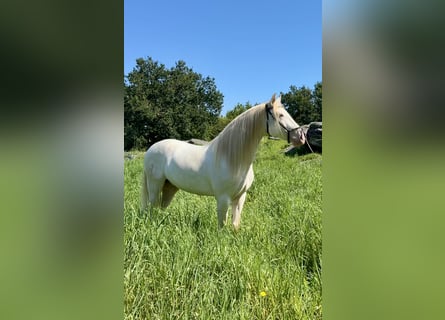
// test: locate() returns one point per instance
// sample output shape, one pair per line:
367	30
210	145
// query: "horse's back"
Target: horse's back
172	149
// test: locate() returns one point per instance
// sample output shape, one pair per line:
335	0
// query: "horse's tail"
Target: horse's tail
144	192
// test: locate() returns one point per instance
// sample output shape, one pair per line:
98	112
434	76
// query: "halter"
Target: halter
268	112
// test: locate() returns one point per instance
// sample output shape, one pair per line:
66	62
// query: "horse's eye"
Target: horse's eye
281	115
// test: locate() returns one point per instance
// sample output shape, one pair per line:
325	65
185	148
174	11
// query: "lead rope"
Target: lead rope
307	141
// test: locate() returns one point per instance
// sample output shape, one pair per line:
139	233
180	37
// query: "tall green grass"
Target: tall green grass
179	265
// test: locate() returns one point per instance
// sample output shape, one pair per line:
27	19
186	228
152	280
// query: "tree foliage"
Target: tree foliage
162	103
304	104
237	110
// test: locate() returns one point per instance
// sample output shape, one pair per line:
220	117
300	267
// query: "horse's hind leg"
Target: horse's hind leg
168	192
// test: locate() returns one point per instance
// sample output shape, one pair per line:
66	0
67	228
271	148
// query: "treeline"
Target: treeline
161	103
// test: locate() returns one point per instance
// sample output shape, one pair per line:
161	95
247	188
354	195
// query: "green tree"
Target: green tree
318	101
237	110
298	102
304	104
230	115
218	127
162	103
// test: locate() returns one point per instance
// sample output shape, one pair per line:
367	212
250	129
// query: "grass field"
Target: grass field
178	265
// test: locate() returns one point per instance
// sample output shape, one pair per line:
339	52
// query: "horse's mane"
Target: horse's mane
238	142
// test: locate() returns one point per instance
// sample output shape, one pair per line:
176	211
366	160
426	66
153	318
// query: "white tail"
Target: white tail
144	192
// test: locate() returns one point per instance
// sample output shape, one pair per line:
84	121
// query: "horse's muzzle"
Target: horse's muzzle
297	137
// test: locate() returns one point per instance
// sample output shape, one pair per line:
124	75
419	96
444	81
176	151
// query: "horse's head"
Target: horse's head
280	124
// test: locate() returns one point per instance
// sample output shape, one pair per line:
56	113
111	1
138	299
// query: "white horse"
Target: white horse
223	168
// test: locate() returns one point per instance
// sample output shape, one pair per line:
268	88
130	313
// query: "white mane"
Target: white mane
238	142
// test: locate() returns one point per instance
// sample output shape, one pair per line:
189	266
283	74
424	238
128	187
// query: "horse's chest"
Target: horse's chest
242	183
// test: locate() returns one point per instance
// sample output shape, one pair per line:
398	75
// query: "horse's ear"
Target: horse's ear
272	100
278	100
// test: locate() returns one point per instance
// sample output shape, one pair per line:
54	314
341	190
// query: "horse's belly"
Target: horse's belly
190	182
189	179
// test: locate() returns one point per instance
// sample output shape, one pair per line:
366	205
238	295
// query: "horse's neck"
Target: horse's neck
250	148
240	146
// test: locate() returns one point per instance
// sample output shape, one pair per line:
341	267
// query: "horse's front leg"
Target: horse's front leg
222	208
237	207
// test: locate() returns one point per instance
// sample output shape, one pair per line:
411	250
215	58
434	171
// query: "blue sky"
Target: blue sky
251	48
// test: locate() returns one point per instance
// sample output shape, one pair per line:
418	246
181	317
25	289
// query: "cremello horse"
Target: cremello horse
223	168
